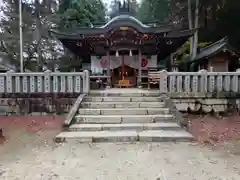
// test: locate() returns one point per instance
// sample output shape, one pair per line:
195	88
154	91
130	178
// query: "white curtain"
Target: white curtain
115	62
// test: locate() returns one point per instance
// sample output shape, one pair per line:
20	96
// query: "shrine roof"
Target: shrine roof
124	31
216	48
123	20
124	17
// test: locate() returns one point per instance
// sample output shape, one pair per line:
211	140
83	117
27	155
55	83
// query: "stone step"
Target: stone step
125	136
128	126
125	94
123	111
99	105
121	99
116	119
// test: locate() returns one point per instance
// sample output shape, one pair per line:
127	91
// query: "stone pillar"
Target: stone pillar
140	69
86	81
211	69
108	71
163	84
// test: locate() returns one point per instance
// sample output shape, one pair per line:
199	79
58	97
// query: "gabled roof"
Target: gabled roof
125	17
215	48
118	21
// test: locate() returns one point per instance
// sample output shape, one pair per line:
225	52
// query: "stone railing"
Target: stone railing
41	92
203	90
44	82
199	82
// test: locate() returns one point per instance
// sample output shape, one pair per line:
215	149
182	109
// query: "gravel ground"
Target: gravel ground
107	161
30	154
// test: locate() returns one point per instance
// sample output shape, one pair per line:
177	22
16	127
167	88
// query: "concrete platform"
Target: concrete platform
123	92
125	136
120	99
124	111
164	136
112	119
128	126
99	105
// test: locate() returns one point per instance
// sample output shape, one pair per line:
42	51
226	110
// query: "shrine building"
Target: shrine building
124	49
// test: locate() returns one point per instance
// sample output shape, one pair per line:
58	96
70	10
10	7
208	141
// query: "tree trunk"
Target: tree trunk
205	17
195	39
190	23
38	34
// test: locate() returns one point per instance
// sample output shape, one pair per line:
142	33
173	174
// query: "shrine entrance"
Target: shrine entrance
124	76
129	49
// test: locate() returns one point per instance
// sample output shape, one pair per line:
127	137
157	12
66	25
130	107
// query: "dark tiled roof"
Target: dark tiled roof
121	20
215	48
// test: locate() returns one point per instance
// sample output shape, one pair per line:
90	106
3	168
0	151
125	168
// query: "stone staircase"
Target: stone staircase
124	117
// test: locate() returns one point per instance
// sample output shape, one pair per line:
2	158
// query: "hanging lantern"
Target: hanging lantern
117	54
130	53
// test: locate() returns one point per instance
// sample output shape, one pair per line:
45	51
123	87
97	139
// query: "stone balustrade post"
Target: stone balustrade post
203	81
47	81
9	82
86	81
163	86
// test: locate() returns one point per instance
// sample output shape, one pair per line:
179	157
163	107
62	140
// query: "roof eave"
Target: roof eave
177	34
233	50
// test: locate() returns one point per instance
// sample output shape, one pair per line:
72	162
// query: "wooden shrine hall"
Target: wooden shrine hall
124	49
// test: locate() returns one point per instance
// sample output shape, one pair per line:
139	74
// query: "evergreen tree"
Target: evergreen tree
10	32
154	10
37	47
73	14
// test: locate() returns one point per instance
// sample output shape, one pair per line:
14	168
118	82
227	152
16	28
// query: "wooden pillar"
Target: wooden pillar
1	133
123	71
140	69
108	71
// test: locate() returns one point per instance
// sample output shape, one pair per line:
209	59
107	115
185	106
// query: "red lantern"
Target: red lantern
144	62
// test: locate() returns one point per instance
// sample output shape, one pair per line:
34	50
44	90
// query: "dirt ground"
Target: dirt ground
214	130
29	152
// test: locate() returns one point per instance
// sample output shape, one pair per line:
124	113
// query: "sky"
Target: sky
109	1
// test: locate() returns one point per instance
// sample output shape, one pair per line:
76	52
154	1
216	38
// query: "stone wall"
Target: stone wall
206	103
36	104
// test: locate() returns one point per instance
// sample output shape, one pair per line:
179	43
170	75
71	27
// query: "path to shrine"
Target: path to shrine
106	161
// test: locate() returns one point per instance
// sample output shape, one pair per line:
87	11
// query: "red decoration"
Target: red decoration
103	62
144	62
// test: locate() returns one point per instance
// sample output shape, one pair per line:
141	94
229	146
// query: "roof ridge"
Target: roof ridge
223	41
